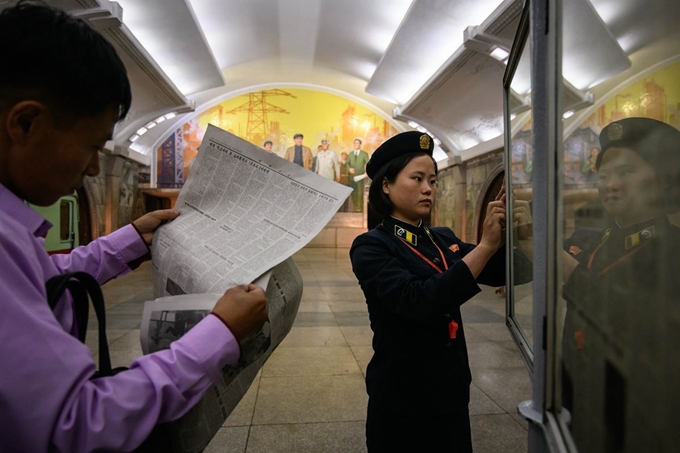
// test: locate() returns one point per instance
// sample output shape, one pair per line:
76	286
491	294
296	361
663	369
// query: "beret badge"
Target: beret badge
424	141
615	132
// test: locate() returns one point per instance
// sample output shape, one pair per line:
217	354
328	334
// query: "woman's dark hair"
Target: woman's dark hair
58	59
378	199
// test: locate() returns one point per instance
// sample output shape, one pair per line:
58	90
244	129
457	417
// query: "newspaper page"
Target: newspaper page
243	211
167	319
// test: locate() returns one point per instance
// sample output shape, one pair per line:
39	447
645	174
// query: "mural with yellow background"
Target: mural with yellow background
656	96
277	115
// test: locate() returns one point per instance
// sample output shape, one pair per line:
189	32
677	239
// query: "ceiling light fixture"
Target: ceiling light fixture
499	54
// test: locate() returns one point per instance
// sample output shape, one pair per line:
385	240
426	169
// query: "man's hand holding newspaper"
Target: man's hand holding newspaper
235	309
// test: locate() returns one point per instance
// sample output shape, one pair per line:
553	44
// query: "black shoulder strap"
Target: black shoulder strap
80	284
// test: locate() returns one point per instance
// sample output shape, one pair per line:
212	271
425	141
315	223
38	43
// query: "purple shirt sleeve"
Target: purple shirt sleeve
106	257
47	401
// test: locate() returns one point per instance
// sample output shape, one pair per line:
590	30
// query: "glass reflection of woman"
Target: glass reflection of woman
622	329
415	279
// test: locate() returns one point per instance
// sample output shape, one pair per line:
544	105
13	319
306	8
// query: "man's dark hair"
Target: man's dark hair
359	140
268	142
298	135
378	199
59	60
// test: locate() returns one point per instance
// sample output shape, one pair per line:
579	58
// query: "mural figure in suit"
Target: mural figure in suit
299	154
356	165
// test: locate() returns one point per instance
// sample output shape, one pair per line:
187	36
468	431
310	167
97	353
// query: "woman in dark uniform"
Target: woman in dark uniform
622	329
415	278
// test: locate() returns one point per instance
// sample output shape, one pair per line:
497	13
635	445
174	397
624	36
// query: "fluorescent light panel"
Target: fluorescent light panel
499	54
426	38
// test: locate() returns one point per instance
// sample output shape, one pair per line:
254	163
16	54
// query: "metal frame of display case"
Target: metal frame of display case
540	26
521	39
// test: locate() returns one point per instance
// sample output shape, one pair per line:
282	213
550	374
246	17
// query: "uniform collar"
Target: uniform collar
399	229
660	222
15	208
639	233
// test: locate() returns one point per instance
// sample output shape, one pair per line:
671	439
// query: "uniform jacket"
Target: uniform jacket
307	156
416	366
620	340
328	164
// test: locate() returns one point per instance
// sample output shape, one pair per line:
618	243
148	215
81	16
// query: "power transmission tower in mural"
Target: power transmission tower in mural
258	108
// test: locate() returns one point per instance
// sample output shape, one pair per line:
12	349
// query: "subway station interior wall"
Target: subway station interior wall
448	206
445	209
126	198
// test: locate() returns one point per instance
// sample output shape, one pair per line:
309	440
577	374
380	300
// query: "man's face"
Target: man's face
51	160
343	157
324	145
268	147
298	141
357	144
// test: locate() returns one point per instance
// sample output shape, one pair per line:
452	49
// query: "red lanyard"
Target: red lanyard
599	246
452	325
434	266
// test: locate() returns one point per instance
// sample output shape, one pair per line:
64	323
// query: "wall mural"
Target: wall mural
276	115
656	96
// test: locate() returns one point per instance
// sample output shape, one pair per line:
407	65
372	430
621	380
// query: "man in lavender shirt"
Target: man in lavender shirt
62	89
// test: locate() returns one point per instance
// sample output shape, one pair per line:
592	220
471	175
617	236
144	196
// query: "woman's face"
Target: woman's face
629	188
414	190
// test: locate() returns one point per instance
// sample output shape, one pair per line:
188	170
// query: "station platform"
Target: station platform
310	395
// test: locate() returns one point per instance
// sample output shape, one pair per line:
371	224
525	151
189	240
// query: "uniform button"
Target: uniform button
646	234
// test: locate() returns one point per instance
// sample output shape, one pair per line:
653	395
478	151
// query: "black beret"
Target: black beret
398	145
656	142
298	135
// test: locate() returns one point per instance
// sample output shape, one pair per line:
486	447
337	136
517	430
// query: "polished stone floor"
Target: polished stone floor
310	395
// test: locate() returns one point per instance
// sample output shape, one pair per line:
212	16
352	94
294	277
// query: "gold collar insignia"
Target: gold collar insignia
406	235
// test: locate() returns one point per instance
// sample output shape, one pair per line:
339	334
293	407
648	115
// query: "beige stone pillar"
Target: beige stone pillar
459	172
113	170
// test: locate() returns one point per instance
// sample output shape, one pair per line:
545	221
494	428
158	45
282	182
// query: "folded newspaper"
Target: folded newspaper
167	319
244	213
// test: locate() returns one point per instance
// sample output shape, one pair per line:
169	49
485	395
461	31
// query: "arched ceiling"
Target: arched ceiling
391	55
